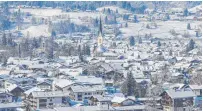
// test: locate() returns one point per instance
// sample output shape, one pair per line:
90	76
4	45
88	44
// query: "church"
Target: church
99	49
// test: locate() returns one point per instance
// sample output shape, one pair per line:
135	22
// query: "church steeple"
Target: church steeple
100	39
100	26
100	48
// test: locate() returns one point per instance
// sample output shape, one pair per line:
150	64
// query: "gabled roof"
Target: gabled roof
32	90
88	80
5	93
87	88
62	83
45	82
194	87
39	94
180	94
10	105
14	87
101	98
118	99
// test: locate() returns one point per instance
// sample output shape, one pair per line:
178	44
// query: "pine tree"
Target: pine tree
188	26
135	19
185	13
108	11
4	39
104	10
159	44
88	51
114	21
125	17
197	34
167	17
79	50
26	44
53	33
10	40
116	78
116	10
81	58
147	26
35	43
190	46
19	50
50	48
126	24
140	40
129	85
106	20
170	52
4	61
96	22
138	56
132	41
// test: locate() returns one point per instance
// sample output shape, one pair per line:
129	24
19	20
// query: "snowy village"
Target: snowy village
101	56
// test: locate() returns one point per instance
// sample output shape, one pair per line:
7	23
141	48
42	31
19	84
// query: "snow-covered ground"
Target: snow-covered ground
36	31
196	8
42	30
85	17
162	30
41	12
75	16
114	8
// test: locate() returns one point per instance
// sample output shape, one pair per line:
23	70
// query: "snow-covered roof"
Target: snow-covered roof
50	94
11	87
63	82
32	90
195	9
102	98
87	88
180	94
88	80
117	99
11	105
194	87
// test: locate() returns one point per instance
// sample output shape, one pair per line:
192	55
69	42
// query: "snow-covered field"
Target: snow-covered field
55	12
75	16
42	30
114	8
132	30
41	12
36	31
162	30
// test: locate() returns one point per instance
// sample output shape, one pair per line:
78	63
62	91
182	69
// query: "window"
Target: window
42	100
51	104
42	105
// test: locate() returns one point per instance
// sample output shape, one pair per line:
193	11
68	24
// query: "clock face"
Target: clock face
100	40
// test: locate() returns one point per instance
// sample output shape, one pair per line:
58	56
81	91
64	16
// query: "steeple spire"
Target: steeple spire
100	39
100	26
